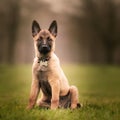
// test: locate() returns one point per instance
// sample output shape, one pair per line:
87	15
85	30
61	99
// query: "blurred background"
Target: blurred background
88	30
88	45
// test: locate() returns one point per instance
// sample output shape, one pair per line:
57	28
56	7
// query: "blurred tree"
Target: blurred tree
101	16
9	14
14	15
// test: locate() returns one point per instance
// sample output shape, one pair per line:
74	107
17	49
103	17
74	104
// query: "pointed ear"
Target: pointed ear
53	28
35	28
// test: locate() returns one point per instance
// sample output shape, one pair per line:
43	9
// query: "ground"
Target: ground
98	85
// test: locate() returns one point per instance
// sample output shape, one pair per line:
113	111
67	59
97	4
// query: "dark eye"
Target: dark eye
40	39
49	39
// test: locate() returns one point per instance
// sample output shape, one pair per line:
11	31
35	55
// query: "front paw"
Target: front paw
29	107
73	106
54	104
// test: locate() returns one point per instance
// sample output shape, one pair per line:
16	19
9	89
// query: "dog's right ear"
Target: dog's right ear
35	28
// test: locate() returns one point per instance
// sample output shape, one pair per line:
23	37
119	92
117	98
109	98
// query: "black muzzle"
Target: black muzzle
44	49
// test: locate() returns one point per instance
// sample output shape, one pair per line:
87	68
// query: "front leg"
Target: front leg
55	86
35	88
44	101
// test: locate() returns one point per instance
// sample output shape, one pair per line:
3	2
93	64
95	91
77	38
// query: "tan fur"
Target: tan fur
54	75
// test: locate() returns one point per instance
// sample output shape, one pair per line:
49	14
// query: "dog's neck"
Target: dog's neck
43	58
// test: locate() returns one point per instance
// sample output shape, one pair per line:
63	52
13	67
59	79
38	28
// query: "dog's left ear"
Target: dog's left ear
53	28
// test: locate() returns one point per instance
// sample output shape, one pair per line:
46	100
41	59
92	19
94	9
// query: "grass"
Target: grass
99	90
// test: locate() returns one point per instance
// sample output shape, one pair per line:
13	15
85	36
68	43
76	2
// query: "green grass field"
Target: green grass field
98	85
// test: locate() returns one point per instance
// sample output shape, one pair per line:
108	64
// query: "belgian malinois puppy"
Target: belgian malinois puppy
47	74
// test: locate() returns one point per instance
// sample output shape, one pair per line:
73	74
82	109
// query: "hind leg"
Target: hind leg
74	97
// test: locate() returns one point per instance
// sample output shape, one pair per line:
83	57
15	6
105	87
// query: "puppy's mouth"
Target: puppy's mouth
44	49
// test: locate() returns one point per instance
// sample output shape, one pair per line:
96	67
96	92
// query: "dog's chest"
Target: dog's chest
44	84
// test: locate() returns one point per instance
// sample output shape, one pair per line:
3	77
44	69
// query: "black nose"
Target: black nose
44	49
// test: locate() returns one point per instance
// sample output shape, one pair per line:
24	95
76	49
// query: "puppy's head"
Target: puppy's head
44	40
